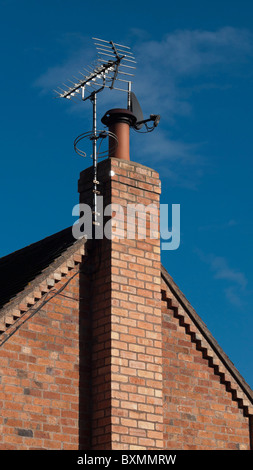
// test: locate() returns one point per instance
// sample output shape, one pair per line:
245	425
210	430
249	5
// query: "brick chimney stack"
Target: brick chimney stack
126	390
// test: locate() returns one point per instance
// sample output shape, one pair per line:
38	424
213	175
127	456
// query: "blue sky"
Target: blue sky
195	69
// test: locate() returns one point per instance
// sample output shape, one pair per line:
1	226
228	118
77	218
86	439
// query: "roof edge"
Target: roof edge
207	335
39	286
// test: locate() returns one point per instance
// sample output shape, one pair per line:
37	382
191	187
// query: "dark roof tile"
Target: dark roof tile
21	267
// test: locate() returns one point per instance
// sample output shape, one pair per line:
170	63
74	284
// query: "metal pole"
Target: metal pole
95	182
129	96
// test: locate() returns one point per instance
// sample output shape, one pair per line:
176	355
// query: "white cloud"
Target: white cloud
186	54
215	227
236	282
234	297
182	163
222	271
169	72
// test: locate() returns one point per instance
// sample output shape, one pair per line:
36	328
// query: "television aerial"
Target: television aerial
113	69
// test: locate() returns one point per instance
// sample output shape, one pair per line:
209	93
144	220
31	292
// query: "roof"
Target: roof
21	267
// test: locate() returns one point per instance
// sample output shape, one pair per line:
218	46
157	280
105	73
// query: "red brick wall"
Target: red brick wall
39	369
199	413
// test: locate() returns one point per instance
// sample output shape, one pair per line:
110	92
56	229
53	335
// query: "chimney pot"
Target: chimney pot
119	122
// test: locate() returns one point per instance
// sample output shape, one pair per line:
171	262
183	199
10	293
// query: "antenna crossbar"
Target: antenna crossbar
109	48
110	42
113	59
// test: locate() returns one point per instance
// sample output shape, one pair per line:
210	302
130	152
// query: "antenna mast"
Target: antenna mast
115	64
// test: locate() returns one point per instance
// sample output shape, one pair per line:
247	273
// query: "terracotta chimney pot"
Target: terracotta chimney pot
119	122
